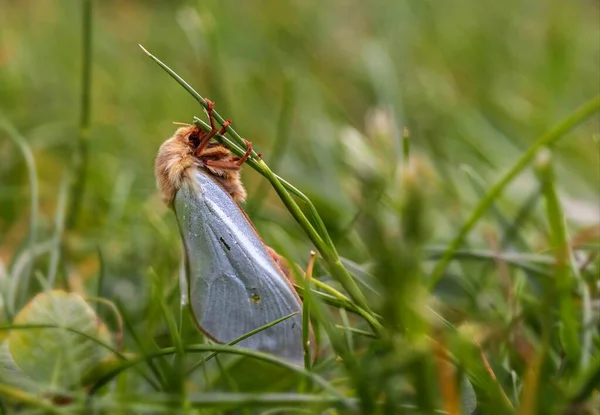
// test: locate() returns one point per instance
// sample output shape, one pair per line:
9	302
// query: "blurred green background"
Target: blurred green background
474	81
322	89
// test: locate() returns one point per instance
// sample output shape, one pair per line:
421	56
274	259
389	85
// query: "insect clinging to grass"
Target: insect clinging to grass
236	283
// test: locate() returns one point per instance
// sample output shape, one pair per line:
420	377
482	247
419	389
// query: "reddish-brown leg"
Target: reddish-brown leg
241	160
210	106
223	129
222	164
215	153
209	110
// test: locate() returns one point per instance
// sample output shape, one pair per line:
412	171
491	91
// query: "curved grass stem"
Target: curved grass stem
236	341
11	302
546	140
221	348
18	395
80	159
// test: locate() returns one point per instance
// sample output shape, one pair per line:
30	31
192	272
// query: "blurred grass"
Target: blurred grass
324	90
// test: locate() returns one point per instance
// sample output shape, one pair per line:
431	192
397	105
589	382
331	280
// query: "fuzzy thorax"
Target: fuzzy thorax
176	161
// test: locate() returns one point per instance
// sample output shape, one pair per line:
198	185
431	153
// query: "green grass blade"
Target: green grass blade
236	341
228	401
23	280
59	224
143	347
80	156
221	348
562	291
25	398
306	305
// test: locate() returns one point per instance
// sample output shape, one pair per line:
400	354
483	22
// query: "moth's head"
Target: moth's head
187	138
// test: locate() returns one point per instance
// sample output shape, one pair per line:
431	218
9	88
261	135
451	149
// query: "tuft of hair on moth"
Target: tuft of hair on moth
191	148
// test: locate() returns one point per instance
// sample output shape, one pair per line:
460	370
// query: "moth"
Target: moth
235	282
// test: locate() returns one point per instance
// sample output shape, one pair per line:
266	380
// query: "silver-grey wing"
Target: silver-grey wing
234	285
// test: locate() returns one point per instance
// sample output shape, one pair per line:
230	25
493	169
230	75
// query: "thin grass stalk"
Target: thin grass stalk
371	318
20	396
236	341
306	304
20	266
142	347
346	328
405	145
563	282
339	302
512	234
233	386
80	157
224	401
530	395
116	313
59	224
177	357
526	262
342	301
101	277
21	143
583	388
447	379
587	319
221	348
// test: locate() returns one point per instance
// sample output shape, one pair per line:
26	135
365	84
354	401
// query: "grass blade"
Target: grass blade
80	156
239	339
21	143
561	291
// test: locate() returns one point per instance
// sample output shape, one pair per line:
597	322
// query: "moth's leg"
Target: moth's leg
214	131
241	160
211	118
222	164
215	153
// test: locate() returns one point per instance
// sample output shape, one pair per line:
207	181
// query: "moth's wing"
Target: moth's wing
234	285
